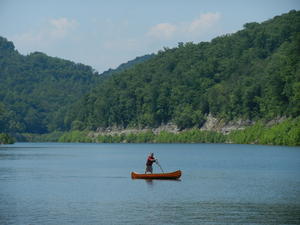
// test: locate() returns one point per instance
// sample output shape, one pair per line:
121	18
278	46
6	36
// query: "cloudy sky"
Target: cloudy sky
104	34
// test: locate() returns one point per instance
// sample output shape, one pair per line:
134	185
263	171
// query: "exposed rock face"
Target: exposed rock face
172	128
169	127
211	124
277	120
118	130
219	125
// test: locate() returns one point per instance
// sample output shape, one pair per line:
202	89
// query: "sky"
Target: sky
104	34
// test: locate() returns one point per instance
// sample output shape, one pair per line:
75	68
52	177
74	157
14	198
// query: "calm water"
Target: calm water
42	183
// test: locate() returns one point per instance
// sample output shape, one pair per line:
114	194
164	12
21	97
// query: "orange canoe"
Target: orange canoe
173	175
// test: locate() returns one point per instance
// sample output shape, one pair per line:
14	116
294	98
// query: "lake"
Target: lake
57	183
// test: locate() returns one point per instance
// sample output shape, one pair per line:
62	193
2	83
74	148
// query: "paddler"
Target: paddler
150	161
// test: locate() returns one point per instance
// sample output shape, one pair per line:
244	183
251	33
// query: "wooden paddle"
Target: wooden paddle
156	161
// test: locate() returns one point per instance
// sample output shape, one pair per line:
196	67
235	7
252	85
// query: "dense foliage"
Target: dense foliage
252	74
6	139
36	90
285	133
127	65
189	136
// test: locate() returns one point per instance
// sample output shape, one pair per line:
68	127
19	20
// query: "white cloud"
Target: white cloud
51	31
204	22
110	42
197	27
162	30
59	28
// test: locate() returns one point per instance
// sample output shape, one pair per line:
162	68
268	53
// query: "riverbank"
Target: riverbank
6	139
286	132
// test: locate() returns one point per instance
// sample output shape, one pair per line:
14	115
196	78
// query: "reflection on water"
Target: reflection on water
91	184
149	182
152	182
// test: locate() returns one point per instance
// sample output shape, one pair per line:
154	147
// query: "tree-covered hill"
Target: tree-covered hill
251	74
36	90
127	65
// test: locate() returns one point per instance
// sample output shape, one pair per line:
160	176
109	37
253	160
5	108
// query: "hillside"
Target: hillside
36	90
252	74
127	65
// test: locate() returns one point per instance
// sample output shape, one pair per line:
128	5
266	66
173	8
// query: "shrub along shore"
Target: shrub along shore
6	139
284	133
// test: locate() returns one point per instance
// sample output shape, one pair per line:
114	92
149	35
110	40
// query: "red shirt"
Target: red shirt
150	161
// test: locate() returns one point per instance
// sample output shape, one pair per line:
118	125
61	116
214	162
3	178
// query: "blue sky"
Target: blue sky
104	34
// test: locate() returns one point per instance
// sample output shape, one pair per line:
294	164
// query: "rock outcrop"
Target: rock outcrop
211	124
219	125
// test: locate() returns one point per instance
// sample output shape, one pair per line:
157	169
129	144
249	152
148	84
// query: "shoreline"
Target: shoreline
286	133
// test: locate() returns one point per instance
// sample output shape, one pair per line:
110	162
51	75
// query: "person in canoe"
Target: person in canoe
150	161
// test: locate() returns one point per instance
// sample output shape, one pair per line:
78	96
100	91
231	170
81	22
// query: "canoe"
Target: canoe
172	175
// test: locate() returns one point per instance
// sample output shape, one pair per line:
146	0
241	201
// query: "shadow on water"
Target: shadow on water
152	182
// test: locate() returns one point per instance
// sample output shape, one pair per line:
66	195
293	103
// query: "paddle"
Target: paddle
156	161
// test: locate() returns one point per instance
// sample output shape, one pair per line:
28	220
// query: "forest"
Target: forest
253	74
36	90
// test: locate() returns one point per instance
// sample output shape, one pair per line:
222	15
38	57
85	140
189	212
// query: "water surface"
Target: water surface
54	183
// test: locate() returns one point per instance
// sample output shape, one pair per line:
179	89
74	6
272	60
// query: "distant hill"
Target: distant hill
36	90
251	74
127	65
